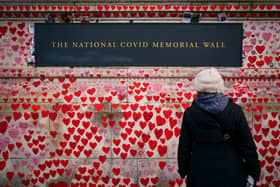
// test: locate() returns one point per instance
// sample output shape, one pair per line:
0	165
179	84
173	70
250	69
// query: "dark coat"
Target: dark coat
208	157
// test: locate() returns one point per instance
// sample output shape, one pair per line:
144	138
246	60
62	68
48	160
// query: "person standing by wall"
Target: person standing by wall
216	148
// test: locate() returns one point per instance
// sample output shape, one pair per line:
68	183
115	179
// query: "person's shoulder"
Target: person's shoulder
188	110
233	106
191	107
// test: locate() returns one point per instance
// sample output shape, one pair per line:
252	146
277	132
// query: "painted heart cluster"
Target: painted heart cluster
121	131
139	8
261	45
92	176
266	127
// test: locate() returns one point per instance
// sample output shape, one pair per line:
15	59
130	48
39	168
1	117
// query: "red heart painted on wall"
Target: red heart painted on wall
162	150
162	164
260	49
3	126
3	30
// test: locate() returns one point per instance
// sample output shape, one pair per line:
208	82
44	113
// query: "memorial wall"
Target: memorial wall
119	125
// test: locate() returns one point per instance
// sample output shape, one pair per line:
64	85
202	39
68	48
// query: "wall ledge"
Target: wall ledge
135	72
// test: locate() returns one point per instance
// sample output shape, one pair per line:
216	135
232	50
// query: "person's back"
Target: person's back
216	147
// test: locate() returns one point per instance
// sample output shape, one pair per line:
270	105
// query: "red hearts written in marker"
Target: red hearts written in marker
3	126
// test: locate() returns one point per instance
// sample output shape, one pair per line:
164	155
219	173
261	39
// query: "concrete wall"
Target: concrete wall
120	126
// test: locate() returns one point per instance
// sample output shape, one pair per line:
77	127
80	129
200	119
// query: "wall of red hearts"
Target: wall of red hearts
120	126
